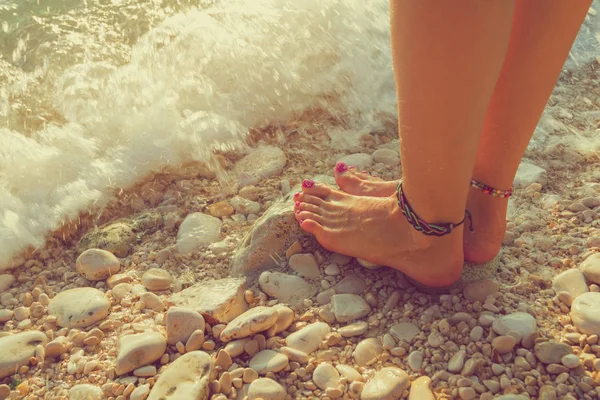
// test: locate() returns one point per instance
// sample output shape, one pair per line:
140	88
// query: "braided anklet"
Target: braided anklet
422	226
490	190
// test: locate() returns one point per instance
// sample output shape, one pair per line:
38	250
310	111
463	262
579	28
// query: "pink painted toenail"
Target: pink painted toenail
297	194
307	183
297	204
301	221
341	167
297	211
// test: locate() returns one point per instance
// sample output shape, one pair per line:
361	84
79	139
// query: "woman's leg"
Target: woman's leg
447	59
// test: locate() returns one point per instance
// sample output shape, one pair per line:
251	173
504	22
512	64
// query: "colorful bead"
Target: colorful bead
490	190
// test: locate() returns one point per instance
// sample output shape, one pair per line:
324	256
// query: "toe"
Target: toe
316	189
314	200
309	207
303	216
311	226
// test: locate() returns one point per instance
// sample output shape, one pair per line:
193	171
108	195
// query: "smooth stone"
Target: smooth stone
528	173
387	157
181	323
79	307
196	231
85	391
435	339
585	313
138	350
476	333
17	349
590	268
551	352
591	202
467	393
4	391
97	264
351	284
504	344
263	162
117	238
520	322
326	376
6	315
285	318
347	307
186	378
121	290
367	350
157	279
305	265
354	329
358	160
387	384
571	281
415	360
267	361
294	354
219	301
140	392
266	389
289	289
6	281
479	290
308	338
457	361
244	206
420	389
152	301
254	320
367	264
404	331
349	373
220	209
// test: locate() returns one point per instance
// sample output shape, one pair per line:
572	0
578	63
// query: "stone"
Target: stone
186	378
420	389
367	350
85	391
121	290
590	268
6	281
585	313
326	376
415	360
551	352
56	347
289	289
404	331
387	157
467	393
503	344
79	307
97	264
360	161
6	315
244	206
528	173
266	389
295	355
347	307
354	329
117	238
570	361
219	301
4	391
367	264
263	162
305	265
157	279
138	350
196	231
140	393
308	338
220	209
254	320
295	248
285	318
268	361
476	333
349	373
387	384
457	361
479	290
571	281
520	322
181	323
351	284
17	349
152	301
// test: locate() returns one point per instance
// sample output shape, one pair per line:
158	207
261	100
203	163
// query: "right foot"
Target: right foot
488	212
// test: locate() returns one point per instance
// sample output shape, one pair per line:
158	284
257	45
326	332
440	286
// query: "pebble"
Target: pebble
295	248
263	162
236	348
387	157
285	318
348	307
467	393
6	281
332	270
352	284
476	334
503	344
305	265
457	361
79	307
56	347
571	281
289	289
244	206
570	361
152	301
591	202
349	373
354	329
117	237
157	279
139	349
387	384
265	389
584	313
551	352
85	391
181	323
420	389
326	376
528	173
97	264
146	371
367	350
254	320
140	392
308	338
186	378
405	331
367	264
295	355
590	268
4	392
480	290
268	361
435	339
520	322
22	347
358	160
6	315
220	209
415	360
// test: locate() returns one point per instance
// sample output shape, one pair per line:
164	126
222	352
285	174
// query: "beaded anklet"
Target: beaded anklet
422	226
490	190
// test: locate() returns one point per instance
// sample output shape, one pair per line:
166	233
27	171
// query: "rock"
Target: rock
584	313
354	329
351	284
196	231
85	391
121	290
6	315
117	238
360	161
254	320
305	265
387	384
571	281
570	361
263	162
528	173
551	352
435	339
268	361
285	318
289	289
97	264
387	157
503	344
57	347
349	373
4	391
590	268
17	349
6	281
420	389
348	307
140	392
520	322
457	361
157	279
79	308
294	355
152	301
308	338
244	206
220	209
326	376
138	350
367	264
186	378
219	301
415	360
181	323
479	290
467	393
266	389
404	331
367	350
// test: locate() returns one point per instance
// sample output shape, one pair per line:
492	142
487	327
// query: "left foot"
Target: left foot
374	229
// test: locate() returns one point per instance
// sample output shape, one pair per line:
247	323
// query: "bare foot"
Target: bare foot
374	229
489	213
